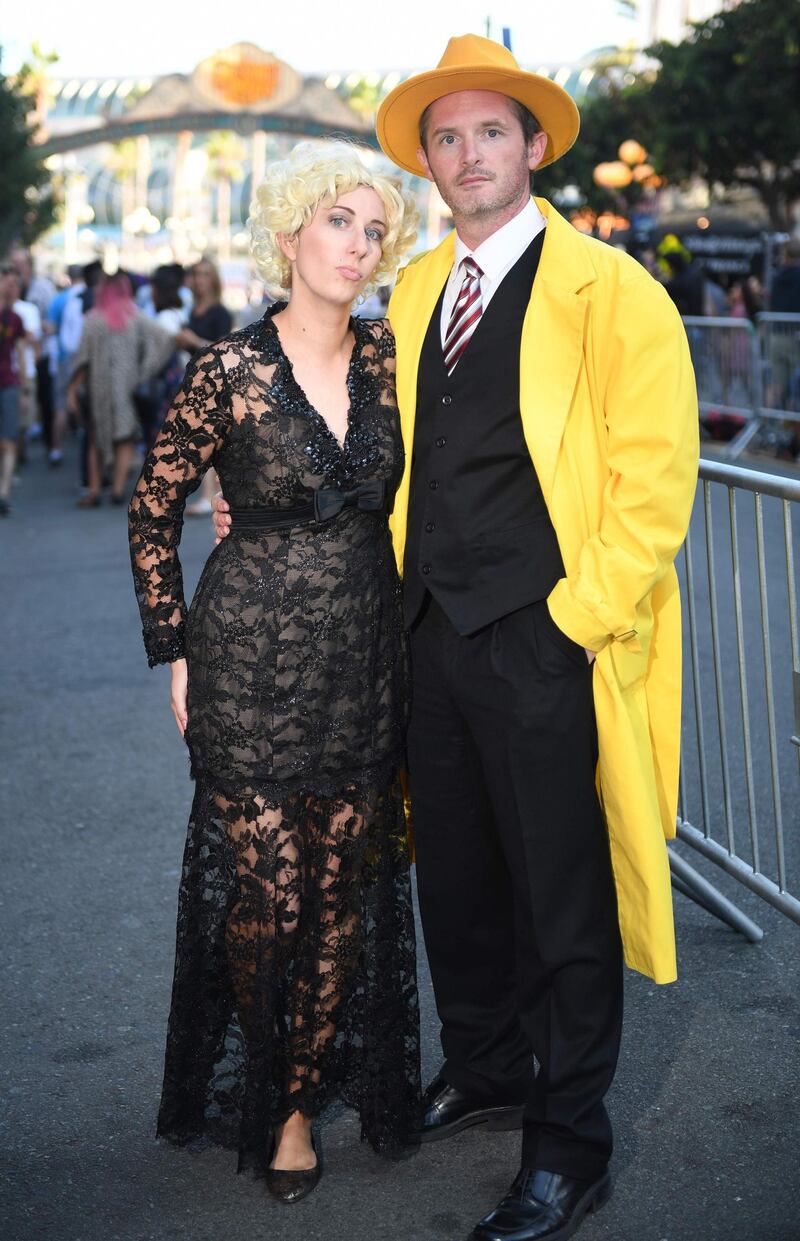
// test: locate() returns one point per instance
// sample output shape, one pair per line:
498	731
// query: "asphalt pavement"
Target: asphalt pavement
94	799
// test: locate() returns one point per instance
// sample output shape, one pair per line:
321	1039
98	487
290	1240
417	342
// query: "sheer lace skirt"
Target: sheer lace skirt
295	982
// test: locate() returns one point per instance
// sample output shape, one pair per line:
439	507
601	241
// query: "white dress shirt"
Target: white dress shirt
495	256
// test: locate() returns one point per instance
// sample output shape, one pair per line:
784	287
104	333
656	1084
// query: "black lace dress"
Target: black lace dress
295	967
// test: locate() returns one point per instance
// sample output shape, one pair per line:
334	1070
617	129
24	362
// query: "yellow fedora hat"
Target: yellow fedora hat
473	63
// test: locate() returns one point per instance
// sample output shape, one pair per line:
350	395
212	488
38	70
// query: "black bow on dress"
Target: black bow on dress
369	496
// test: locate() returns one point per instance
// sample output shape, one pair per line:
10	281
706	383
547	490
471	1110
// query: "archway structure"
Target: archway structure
242	88
170	164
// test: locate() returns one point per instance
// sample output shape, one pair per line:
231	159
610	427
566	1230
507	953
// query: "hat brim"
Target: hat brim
397	122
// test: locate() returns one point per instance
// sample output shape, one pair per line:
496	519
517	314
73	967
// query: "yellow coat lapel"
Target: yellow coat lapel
551	351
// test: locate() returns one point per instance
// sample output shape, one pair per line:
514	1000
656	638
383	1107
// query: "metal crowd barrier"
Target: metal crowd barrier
746	371
739	803
779	336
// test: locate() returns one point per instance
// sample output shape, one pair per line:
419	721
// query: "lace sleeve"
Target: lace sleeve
192	431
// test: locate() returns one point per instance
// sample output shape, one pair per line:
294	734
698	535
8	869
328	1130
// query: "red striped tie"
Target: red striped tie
465	316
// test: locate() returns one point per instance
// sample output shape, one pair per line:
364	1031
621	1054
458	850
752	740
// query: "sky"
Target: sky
145	38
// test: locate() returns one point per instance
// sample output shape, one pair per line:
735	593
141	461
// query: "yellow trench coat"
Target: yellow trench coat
609	410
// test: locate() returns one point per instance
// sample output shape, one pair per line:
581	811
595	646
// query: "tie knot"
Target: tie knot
471	268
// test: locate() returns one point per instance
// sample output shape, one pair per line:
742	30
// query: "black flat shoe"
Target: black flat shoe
289	1186
543	1206
448	1111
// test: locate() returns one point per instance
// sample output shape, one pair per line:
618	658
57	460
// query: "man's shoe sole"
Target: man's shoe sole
594	1200
496	1119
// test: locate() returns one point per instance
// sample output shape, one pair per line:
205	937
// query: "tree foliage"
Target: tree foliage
606	121
226	155
722	105
27	199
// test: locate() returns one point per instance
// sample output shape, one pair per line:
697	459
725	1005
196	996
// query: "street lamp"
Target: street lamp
613	176
631	166
630	169
632	152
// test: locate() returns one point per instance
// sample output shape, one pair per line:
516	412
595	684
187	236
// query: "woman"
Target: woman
295	977
119	349
208	322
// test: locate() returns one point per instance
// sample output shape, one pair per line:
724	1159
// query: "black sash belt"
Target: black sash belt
370	497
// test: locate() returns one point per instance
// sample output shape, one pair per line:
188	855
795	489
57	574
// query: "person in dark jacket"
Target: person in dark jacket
785	294
784	338
686	284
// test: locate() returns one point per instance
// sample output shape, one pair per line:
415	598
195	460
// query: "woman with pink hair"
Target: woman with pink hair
120	348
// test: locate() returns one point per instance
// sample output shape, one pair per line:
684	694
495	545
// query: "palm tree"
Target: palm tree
34	79
226	154
124	162
142	169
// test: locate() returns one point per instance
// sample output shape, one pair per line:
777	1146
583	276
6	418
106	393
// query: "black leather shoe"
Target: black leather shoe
543	1206
289	1186
448	1111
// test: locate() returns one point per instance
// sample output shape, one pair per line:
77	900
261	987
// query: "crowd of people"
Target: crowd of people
728	368
103	355
100	357
697	289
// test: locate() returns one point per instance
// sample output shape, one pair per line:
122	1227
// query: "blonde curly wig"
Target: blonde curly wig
313	173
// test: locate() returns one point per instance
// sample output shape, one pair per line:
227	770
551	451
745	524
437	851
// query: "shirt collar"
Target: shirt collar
493	254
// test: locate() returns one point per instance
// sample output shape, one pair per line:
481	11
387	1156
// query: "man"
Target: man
13	341
60	362
783	391
547	400
785	289
550	423
28	383
37	291
77	307
685	280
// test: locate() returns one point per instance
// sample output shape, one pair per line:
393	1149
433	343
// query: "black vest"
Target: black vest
479	536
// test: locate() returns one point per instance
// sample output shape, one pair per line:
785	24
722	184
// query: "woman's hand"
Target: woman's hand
187	339
220	517
177	698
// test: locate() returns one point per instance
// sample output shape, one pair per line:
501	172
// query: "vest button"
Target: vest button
447	399
440	443
430	526
433	484
426	568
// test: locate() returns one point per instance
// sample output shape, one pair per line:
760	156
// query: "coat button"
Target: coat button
447	399
442	440
426	568
430	526
433	484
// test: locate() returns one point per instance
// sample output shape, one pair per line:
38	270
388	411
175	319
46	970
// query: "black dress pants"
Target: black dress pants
515	886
